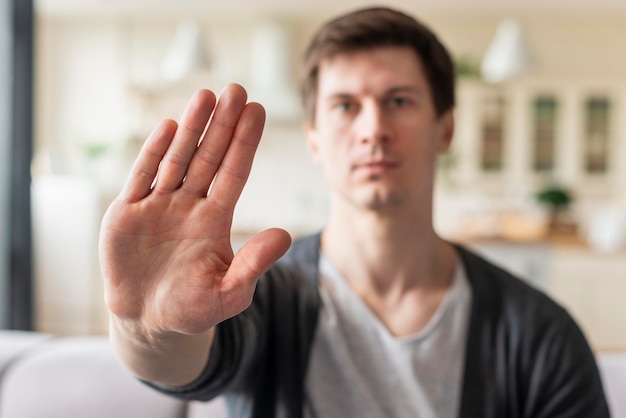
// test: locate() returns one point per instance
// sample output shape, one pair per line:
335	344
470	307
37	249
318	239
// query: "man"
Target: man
376	316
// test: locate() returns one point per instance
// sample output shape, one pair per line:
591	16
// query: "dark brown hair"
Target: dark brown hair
378	27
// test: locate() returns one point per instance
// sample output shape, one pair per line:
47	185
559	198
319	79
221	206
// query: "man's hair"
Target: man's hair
378	27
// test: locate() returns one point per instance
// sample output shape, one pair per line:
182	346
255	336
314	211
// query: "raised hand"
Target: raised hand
165	249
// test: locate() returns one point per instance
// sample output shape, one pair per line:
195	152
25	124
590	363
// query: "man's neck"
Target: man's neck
398	250
398	266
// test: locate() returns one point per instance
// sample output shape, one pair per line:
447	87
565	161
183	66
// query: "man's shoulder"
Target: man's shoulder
521	341
510	317
498	292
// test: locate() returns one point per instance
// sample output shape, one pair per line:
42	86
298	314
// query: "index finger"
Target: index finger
144	170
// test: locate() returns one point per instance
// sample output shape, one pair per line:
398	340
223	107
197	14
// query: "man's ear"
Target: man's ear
312	142
447	131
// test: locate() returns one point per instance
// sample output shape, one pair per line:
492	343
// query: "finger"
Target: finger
237	163
211	151
144	170
189	132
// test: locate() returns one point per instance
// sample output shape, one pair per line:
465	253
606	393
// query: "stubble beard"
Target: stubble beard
381	199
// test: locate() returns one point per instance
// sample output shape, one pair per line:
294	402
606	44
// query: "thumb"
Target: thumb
258	254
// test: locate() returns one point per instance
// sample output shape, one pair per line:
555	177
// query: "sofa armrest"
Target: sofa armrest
613	371
78	377
14	344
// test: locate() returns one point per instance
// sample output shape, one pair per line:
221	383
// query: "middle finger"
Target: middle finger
189	132
210	153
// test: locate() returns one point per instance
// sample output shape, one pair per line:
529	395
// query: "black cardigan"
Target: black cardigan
525	356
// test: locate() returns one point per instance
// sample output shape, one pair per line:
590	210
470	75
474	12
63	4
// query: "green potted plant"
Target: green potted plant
558	200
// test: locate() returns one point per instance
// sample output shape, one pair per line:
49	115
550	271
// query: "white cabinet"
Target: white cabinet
68	288
593	288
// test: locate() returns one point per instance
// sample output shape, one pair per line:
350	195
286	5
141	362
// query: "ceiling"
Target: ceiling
301	8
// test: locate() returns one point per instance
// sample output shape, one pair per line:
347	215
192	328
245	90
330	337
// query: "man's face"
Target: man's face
376	133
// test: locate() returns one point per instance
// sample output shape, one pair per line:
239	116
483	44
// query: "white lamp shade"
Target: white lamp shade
508	55
271	81
186	53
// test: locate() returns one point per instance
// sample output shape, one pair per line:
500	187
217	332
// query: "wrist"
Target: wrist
165	357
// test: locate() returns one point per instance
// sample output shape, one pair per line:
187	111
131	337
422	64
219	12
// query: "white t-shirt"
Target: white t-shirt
359	369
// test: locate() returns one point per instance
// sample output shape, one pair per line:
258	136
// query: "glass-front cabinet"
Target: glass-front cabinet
527	133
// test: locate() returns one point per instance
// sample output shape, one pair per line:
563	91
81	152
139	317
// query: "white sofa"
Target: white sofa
42	376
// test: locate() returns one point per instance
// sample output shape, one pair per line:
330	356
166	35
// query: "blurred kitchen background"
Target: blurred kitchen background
535	179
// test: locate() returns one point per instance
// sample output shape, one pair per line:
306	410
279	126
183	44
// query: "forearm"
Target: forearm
171	360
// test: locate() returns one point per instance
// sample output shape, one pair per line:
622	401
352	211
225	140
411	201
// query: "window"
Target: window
596	135
16	133
492	150
544	140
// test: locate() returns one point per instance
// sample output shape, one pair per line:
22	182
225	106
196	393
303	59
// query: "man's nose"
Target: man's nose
372	124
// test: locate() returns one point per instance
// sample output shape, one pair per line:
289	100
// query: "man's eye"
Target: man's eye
345	106
399	101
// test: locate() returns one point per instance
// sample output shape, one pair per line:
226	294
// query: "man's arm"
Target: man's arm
565	381
169	270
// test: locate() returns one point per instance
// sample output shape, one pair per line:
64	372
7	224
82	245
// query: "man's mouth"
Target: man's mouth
377	167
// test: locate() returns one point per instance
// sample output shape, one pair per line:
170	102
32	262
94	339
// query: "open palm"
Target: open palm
165	248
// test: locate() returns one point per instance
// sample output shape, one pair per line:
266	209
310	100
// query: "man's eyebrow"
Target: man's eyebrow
391	90
343	95
405	89
339	96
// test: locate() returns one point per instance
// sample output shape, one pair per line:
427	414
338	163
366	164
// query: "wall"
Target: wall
98	86
92	71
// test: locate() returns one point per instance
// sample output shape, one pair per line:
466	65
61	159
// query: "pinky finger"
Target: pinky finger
146	166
